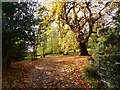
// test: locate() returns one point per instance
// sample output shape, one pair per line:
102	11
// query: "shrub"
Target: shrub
90	71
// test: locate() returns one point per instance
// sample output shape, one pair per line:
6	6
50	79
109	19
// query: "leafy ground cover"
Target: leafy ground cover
62	71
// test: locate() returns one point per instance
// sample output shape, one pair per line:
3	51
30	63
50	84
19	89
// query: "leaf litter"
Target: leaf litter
51	72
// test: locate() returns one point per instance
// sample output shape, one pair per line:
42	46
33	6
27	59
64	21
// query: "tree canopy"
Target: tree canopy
17	23
80	18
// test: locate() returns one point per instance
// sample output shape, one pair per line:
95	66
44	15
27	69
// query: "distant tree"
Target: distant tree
41	37
68	42
41	42
52	40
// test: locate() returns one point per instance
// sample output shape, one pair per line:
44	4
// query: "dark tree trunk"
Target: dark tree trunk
43	52
9	62
6	63
83	49
66	53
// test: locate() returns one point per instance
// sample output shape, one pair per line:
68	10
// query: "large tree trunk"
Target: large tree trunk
83	49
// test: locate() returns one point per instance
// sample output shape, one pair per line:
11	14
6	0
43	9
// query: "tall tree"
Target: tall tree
17	23
80	17
41	36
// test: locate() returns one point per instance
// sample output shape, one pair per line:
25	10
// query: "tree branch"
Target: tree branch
101	11
87	6
69	10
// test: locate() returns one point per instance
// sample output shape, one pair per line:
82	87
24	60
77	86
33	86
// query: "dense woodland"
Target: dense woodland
36	30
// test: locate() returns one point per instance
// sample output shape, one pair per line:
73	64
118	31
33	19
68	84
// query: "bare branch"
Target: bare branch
87	6
69	10
84	23
78	10
101	11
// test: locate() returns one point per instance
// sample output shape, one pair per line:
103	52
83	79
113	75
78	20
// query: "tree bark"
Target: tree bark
6	63
43	52
83	49
74	50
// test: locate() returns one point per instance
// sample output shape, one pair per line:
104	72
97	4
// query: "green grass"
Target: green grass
31	57
48	55
77	50
28	57
73	51
59	55
89	49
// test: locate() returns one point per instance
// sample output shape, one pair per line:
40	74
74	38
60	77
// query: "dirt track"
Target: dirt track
58	72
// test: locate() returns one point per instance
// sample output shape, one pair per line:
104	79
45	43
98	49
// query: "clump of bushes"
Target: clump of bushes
90	71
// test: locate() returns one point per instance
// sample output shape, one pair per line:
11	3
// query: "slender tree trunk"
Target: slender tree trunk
83	49
74	50
43	52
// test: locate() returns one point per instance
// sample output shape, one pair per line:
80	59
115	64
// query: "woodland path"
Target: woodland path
58	72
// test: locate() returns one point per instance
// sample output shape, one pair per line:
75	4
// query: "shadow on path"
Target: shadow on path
58	72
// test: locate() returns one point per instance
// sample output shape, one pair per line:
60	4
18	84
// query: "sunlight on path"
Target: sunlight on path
58	72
